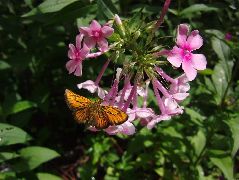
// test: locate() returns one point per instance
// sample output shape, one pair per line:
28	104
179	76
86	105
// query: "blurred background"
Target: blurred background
39	138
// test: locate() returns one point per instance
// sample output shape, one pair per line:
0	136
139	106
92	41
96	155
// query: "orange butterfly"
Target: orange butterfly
93	113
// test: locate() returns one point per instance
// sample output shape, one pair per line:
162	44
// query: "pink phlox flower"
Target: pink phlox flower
92	87
152	121
180	88
95	34
126	128
77	54
140	92
171	107
139	113
182	53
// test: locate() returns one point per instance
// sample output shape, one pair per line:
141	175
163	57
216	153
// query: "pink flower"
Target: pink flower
228	36
179	88
156	119
92	87
76	55
126	128
182	53
95	34
171	107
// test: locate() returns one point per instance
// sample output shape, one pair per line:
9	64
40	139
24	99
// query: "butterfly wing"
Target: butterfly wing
79	105
81	115
101	120
75	101
115	115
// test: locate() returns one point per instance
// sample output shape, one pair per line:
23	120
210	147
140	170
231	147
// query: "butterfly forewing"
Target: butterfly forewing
75	101
115	115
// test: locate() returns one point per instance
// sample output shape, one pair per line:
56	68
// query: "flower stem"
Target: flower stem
126	105
159	100
165	76
126	83
102	72
163	13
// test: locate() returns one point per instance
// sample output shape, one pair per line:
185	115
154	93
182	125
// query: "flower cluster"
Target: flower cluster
142	70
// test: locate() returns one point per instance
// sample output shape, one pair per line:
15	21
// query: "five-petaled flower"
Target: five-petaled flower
95	34
77	54
182	53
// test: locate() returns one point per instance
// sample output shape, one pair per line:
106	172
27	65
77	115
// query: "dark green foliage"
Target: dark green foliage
36	125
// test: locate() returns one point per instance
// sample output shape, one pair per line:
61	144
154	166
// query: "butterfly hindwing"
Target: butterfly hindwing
115	115
101	119
81	115
75	101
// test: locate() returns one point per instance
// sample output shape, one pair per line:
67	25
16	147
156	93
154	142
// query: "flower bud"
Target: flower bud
119	25
118	20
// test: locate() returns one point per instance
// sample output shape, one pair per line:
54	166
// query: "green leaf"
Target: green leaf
4	65
21	106
223	52
4	156
221	80
216	33
221	48
44	176
107	8
34	156
195	116
223	162
8	175
206	72
198	142
196	8
234	127
12	135
49	6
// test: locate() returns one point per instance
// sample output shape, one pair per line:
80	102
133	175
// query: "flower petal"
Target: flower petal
89	85
90	42
182	32
101	92
71	51
156	120
144	112
103	45
175	60
194	40
86	31
78	41
71	66
199	61
180	96
95	26
84	51
107	31
111	130
128	128
189	70
78	71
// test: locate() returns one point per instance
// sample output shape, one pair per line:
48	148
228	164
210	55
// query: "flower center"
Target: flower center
78	55
96	34
186	55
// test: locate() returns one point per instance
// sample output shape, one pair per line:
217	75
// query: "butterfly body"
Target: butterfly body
93	113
